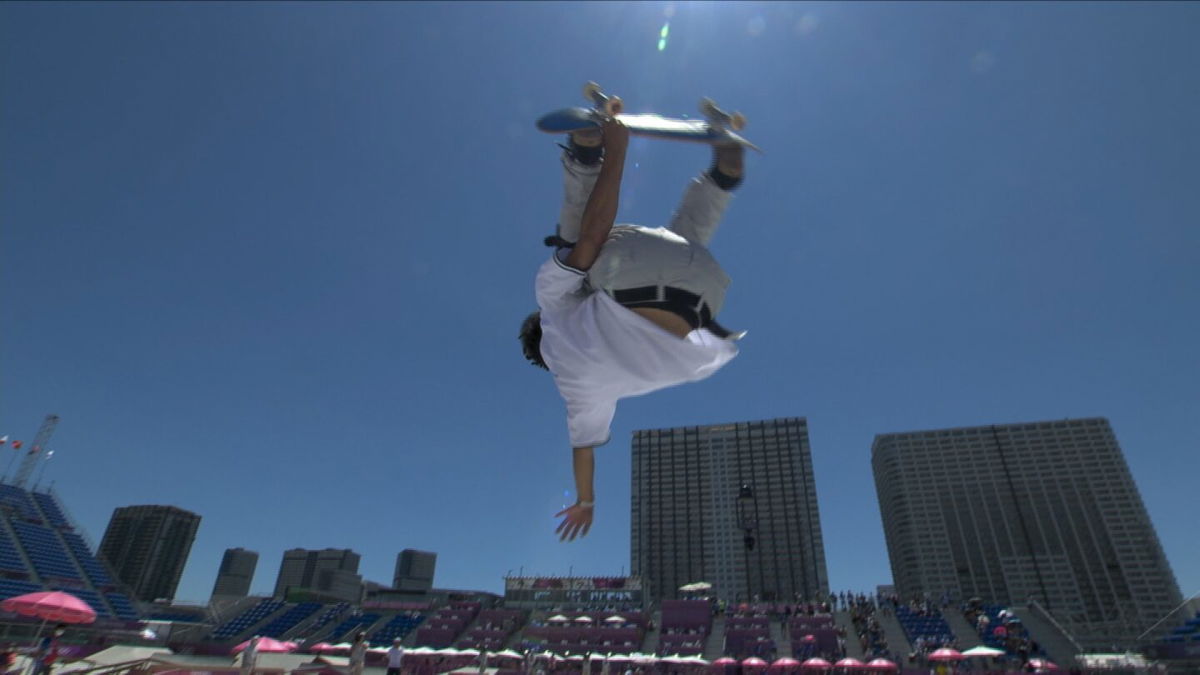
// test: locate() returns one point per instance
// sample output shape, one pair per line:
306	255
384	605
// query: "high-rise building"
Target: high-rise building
414	570
329	573
235	574
148	546
734	505
1044	510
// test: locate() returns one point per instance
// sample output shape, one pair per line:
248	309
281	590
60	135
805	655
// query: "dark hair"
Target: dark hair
531	340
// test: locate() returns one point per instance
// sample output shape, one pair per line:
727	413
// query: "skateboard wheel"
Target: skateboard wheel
614	105
737	121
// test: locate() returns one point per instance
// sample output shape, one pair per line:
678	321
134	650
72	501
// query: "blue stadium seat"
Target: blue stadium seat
258	612
288	620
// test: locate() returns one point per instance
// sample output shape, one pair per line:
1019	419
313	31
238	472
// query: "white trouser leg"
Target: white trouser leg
700	210
578	181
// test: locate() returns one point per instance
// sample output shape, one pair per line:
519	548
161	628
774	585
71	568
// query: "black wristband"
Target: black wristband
724	181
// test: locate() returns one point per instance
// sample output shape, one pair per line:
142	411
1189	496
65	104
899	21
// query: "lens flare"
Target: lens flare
662	36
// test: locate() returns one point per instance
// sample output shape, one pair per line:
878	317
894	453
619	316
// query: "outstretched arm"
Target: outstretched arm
601	209
578	517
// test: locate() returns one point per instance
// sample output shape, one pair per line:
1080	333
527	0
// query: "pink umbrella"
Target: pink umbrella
809	639
265	646
724	661
882	665
816	664
946	654
51	606
785	662
1042	664
754	662
849	663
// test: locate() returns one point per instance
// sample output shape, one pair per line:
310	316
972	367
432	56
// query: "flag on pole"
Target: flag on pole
17	445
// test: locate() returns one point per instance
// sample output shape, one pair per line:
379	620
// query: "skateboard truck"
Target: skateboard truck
609	105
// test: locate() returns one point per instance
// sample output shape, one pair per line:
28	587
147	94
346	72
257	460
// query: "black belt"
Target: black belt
684	304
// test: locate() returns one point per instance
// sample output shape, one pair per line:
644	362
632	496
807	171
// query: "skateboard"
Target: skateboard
718	127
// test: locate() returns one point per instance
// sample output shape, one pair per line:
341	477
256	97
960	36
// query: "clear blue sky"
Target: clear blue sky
268	260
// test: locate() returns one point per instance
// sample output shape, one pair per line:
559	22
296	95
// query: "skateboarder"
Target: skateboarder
625	310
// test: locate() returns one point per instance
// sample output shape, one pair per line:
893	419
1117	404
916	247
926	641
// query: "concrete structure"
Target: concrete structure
235	574
148	546
1045	511
329	573
688	521
414	570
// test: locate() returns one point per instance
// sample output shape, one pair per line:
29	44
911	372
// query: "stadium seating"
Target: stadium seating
686	625
10	588
50	508
355	622
288	620
586	632
122	606
91	567
10	558
16	500
398	627
248	618
493	628
931	628
441	629
823	631
45	551
1188	631
331	614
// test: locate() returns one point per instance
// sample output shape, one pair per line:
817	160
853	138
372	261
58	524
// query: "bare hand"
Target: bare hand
576	522
616	136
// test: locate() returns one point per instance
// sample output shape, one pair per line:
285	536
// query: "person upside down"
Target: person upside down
625	310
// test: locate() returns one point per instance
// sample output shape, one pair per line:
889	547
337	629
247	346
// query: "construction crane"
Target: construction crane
36	451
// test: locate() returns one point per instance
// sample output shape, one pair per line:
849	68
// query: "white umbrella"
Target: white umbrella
575	657
448	651
583	619
698	586
507	654
377	650
421	650
981	650
468	652
615	619
558	617
695	661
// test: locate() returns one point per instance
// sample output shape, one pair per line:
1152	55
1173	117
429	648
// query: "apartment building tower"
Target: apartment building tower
235	574
1042	511
330	573
147	547
414	570
734	505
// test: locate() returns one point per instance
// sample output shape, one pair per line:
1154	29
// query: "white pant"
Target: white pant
635	256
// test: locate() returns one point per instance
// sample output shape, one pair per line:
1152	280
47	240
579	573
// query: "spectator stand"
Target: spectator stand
492	629
330	614
685	627
585	632
399	626
444	627
925	627
999	628
247	619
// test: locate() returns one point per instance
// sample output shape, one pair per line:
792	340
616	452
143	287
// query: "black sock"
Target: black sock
724	181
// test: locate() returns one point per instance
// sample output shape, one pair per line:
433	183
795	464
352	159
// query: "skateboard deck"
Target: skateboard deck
717	128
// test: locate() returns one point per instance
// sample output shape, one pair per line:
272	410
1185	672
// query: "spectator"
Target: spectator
395	657
358	654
